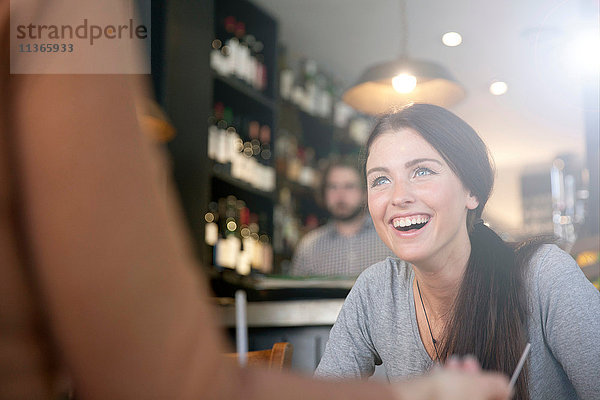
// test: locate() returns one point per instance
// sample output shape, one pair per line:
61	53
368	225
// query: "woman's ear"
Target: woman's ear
472	201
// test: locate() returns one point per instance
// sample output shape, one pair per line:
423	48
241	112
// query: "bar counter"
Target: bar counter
305	323
290	313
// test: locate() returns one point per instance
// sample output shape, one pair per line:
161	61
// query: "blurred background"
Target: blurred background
253	98
264	81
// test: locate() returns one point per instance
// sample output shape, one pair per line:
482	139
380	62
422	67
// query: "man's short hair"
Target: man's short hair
338	162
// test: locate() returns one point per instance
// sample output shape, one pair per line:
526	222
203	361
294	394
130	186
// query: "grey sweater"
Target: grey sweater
377	324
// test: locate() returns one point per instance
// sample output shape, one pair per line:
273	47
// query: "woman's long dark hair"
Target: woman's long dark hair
490	312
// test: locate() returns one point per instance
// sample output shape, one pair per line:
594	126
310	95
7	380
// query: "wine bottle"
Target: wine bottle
220	248
265	145
220	148
245	257
268	171
261	69
257	253
243	52
252	66
267	254
217	58
231	233
211	229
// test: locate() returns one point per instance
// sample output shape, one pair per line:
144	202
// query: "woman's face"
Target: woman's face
418	205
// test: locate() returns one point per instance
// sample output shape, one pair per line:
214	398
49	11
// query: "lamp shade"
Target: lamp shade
373	93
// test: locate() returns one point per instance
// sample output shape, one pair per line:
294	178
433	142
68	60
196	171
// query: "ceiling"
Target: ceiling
520	42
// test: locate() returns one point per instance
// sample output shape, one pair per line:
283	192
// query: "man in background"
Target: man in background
348	243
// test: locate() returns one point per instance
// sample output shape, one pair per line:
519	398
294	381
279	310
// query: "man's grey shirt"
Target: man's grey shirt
377	324
323	251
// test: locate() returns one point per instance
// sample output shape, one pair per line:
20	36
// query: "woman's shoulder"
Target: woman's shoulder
390	265
550	259
553	271
379	287
391	272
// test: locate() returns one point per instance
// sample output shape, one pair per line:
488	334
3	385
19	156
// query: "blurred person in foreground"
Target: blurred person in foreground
348	243
97	277
460	288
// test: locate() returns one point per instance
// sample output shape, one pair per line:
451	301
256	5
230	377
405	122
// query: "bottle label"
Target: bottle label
211	233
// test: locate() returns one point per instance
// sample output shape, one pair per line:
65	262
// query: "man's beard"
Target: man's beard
348	216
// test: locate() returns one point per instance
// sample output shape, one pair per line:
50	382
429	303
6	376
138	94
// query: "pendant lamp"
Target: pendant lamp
391	85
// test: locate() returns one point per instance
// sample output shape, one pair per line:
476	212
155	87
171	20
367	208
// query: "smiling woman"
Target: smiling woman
459	289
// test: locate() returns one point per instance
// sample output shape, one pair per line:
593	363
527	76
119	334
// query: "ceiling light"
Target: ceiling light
404	83
384	87
374	93
581	53
498	88
452	39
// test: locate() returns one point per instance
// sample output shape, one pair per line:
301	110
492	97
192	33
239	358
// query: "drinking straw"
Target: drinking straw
241	328
519	367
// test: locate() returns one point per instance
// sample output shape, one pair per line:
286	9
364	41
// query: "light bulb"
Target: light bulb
404	83
498	88
452	39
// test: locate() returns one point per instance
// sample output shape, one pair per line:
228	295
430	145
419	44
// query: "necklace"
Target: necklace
437	355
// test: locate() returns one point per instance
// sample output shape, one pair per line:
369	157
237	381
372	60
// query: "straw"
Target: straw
241	328
519	367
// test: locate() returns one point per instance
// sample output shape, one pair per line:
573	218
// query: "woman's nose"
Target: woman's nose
402	195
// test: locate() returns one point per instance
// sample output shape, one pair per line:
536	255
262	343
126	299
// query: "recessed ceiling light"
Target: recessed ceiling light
498	88
452	39
581	55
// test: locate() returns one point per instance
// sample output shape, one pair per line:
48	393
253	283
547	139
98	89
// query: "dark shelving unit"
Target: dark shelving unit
249	103
190	89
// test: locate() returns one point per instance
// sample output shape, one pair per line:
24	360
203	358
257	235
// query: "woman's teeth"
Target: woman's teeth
412	222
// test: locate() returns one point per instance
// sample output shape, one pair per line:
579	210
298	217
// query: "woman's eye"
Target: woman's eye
422	171
379	181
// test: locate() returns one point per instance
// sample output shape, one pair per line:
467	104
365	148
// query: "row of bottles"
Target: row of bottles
289	227
238	220
239	54
247	153
235	234
554	202
318	94
308	88
569	183
295	162
537	214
